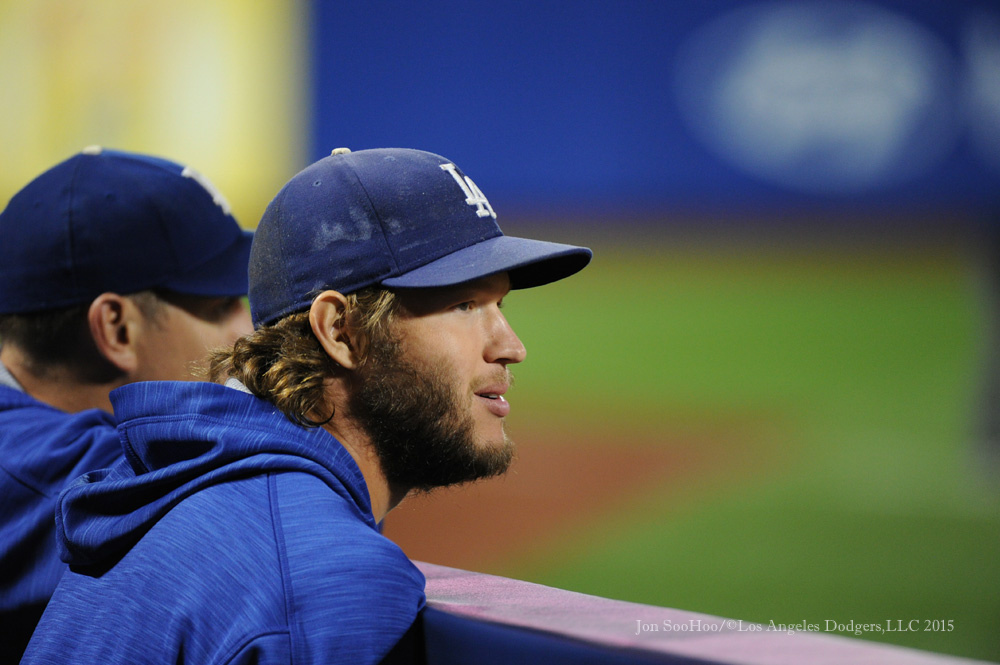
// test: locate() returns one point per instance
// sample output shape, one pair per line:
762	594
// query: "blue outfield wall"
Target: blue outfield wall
675	105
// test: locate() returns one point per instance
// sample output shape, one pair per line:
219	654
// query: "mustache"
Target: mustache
499	377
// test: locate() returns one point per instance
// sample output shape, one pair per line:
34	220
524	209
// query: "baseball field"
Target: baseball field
776	432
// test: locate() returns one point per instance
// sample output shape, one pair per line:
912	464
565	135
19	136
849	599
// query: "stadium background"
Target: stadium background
764	398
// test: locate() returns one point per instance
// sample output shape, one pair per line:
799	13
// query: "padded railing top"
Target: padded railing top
651	630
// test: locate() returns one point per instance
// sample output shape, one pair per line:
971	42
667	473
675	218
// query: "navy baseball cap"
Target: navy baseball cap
393	217
105	220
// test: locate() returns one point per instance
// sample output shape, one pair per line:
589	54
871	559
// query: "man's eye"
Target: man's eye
230	306
222	308
464	307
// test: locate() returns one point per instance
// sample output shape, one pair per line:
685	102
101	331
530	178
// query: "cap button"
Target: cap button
340	151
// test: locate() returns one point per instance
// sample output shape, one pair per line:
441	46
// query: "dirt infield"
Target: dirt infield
553	487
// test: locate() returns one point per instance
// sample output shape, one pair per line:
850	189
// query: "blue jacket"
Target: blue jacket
227	535
42	449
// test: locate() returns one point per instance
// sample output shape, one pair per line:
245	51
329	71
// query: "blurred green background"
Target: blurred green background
845	381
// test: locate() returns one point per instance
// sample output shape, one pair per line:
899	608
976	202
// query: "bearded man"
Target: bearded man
243	525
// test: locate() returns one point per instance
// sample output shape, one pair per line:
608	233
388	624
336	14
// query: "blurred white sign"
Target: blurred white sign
826	97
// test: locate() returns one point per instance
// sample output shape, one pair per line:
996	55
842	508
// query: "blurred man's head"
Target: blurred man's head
117	267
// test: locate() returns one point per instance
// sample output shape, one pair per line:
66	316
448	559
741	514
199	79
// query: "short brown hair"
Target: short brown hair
285	364
61	337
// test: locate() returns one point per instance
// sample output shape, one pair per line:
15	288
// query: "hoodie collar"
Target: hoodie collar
179	438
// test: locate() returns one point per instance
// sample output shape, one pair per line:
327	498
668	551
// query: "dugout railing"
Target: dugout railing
473	618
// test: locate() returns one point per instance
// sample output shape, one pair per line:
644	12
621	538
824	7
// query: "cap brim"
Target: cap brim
225	274
528	263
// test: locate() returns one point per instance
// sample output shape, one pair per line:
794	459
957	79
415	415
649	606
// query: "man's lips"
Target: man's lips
493	398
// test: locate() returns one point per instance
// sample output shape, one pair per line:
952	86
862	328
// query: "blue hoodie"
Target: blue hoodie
42	449
228	534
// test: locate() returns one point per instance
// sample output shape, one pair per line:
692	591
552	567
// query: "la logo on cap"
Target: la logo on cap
473	195
217	197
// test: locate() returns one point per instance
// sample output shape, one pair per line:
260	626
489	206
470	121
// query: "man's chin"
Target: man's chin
494	443
500	452
483	460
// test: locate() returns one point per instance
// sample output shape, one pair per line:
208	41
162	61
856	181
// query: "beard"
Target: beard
422	432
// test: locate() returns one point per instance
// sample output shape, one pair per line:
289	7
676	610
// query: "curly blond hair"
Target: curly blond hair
285	364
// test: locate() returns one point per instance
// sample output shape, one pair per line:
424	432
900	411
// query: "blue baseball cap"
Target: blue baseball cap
105	220
393	217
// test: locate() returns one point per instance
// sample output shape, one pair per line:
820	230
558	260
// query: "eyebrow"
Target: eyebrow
429	299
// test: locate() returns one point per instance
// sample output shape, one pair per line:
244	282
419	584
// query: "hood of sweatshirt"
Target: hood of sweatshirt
179	438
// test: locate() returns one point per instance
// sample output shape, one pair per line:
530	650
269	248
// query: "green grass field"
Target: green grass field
842	386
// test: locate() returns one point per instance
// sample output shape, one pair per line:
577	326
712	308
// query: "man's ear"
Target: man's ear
111	318
328	319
